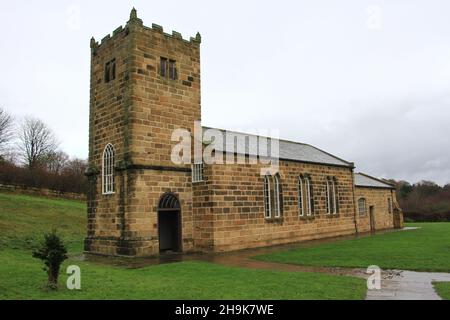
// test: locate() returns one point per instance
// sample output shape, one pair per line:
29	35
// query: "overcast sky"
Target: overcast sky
368	81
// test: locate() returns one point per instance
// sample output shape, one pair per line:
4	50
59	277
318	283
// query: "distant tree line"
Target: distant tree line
30	156
423	201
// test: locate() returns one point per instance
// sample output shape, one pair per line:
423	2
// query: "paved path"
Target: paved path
395	284
408	285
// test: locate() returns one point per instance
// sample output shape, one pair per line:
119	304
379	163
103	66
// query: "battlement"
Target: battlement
136	22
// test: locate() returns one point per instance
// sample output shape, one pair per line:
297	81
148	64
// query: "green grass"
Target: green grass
24	220
443	289
22	278
424	249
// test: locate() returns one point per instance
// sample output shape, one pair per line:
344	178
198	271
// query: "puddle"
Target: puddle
395	284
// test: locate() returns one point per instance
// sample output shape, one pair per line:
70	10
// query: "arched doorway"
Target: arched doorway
169	224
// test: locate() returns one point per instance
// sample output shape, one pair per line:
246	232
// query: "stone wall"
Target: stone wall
137	113
236	205
161	105
378	198
42	192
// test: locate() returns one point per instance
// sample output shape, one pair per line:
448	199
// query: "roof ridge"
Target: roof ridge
376	179
285	140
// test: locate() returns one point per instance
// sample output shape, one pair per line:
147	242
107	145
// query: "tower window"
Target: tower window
163	67
168	68
110	70
172	70
197	172
108	170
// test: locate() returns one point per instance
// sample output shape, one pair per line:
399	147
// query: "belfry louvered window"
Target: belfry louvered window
168	68
108	170
110	70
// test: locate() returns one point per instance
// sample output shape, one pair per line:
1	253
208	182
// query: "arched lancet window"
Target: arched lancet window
328	196
362	206
309	197
331	196
277	196
272	196
267	199
300	196
108	169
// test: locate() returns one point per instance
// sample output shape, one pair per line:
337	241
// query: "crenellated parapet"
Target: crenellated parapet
135	23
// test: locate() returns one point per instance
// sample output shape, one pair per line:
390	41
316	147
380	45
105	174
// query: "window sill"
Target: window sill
311	217
166	79
332	215
108	193
274	220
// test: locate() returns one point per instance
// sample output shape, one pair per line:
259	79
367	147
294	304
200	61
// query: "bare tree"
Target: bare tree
55	161
6	132
36	142
76	166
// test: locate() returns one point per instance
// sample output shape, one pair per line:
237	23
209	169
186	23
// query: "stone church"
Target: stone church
145	84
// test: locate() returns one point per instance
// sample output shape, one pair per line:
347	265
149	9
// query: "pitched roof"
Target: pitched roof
288	150
364	180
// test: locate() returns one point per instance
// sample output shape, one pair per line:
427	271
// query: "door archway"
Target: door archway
169	223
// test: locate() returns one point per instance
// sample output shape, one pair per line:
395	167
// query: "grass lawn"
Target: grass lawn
425	249
23	278
443	289
24	219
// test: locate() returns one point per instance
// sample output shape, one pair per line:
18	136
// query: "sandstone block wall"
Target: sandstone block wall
237	206
378	198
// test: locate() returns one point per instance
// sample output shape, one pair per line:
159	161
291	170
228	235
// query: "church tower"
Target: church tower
145	83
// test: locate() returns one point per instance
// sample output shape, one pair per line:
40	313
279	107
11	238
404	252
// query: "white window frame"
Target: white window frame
364	207
308	196
197	172
277	196
300	197
108	159
335	199
328	197
267	199
331	197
